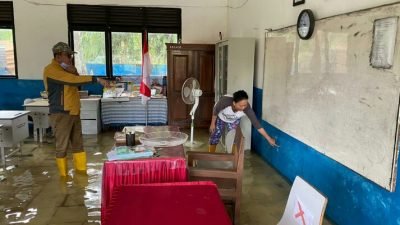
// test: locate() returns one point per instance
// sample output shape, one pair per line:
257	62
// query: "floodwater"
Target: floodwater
31	191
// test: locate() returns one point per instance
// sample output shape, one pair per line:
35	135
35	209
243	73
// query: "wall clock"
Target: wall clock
305	24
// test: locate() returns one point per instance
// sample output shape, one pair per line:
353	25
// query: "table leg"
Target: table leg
35	135
3	157
19	146
41	135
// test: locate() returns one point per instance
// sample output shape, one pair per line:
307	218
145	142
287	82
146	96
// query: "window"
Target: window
109	39
126	53
158	51
7	49
91	57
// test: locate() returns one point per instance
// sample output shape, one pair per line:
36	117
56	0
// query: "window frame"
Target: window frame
106	24
7	22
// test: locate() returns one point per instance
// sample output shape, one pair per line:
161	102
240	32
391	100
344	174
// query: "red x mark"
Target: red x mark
300	213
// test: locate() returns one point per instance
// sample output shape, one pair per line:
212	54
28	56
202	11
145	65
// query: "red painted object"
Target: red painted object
170	166
194	203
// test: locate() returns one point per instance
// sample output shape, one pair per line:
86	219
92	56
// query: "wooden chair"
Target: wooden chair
304	206
228	180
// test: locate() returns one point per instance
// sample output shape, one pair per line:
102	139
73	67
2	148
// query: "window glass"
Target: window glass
126	53
91	53
7	61
158	51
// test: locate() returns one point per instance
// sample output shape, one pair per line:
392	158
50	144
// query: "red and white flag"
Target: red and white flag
146	70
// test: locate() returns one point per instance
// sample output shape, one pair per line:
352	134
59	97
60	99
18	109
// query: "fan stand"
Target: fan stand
193	144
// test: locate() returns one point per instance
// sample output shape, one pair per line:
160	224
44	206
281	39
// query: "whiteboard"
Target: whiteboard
324	92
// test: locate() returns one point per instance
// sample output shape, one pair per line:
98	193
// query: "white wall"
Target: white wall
39	24
251	18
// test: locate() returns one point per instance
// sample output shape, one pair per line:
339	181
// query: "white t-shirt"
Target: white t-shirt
223	109
229	116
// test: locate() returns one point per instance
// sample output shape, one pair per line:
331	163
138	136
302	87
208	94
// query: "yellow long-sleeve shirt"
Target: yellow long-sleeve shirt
62	88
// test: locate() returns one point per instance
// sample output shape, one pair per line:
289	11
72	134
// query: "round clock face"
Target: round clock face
305	24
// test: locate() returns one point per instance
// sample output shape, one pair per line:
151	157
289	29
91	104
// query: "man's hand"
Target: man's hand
72	69
103	82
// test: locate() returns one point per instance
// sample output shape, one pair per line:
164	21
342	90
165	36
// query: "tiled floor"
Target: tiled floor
31	192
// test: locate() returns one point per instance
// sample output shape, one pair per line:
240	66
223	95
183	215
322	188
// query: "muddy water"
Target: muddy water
31	191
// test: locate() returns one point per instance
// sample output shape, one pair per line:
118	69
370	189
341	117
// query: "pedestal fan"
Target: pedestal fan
190	95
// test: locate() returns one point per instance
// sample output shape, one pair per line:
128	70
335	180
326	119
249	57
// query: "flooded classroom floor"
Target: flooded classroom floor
31	191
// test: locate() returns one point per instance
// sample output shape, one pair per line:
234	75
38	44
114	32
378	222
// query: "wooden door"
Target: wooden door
204	68
184	61
180	65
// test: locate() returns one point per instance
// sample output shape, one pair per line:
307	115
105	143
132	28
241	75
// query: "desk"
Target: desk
194	203
90	116
14	130
170	166
40	117
130	111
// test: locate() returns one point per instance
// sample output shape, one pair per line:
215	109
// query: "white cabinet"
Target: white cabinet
90	115
234	70
13	130
221	69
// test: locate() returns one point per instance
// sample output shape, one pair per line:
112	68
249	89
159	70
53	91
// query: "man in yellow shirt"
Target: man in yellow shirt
61	81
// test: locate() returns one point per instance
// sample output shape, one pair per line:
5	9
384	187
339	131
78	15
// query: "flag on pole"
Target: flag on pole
146	69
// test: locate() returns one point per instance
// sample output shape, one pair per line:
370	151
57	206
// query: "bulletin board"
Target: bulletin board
325	92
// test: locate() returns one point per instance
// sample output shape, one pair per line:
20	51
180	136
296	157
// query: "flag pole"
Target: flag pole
147	113
146	71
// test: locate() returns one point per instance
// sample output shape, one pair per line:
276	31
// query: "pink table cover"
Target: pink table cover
187	203
170	166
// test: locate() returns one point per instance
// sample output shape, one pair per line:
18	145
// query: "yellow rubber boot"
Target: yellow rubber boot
80	161
212	148
62	166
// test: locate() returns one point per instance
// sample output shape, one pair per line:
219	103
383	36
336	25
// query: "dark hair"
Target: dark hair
239	96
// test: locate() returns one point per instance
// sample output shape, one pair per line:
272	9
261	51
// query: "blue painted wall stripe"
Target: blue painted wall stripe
13	92
352	199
